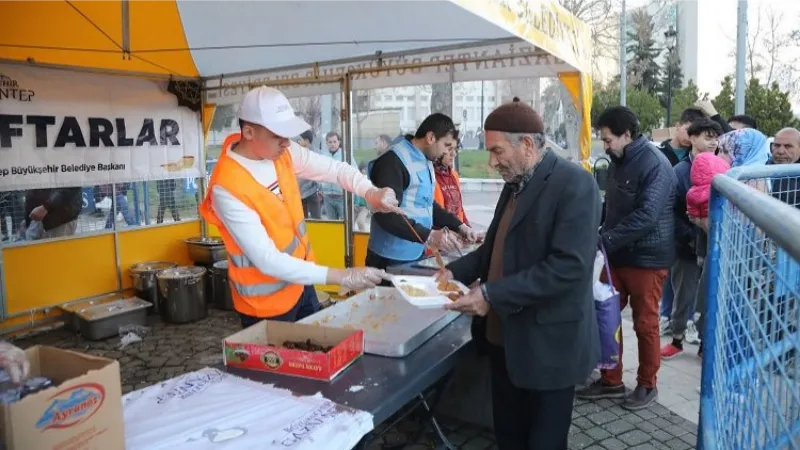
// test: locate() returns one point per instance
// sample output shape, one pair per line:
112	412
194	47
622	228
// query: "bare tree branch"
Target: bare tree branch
597	14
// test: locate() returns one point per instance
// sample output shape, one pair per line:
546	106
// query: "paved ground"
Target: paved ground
169	350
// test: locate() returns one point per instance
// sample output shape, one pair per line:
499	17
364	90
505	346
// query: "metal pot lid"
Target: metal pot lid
152	266
209	240
221	264
181	272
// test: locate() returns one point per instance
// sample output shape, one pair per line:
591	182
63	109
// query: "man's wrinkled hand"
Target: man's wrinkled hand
472	303
382	200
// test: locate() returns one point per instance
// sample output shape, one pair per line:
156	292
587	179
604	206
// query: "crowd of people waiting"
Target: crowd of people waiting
656	225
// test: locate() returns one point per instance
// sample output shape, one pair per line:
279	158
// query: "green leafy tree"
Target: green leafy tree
768	105
724	101
645	105
681	99
671	80
643	70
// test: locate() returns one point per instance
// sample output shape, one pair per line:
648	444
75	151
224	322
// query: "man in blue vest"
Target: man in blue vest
407	169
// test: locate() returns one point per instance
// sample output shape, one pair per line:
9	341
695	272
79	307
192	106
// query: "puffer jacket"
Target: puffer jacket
639	228
704	167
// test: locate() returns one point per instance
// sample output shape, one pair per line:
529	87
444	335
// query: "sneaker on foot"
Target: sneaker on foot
692	336
664	325
670	351
640	398
599	389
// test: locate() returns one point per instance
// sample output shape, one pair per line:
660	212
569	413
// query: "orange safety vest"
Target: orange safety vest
254	293
438	196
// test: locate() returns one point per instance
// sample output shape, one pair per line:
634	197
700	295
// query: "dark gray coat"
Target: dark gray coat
545	296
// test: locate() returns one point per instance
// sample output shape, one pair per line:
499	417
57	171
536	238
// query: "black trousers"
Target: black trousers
307	305
526	419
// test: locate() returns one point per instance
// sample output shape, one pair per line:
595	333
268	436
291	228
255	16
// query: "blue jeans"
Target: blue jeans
306	305
667	297
119	205
334	207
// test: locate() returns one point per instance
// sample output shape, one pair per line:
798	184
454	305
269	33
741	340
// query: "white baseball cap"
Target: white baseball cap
269	108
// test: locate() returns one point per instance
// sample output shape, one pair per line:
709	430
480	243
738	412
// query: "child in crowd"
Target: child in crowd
704	168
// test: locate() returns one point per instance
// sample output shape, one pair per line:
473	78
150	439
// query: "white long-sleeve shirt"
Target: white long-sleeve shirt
244	224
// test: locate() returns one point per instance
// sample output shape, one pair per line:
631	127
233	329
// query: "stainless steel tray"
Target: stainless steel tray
103	321
392	326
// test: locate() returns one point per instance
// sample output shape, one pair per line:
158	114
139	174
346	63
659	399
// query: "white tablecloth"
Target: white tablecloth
210	409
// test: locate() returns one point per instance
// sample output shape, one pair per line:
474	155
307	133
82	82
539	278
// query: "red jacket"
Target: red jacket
704	167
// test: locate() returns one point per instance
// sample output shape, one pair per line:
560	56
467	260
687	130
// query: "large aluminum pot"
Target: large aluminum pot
182	294
145	286
206	250
221	291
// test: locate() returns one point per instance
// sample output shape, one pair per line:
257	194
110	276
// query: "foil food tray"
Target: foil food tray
392	326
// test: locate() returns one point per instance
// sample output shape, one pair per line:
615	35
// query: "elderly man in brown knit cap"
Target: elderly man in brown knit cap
532	283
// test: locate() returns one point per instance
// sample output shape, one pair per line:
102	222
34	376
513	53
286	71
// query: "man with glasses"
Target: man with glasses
254	200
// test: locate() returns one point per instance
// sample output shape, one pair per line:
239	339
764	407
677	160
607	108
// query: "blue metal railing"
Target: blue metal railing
750	392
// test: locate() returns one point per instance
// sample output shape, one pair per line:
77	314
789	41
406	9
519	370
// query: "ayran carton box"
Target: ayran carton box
260	347
83	410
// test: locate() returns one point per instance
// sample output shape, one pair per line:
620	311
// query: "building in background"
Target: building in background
681	15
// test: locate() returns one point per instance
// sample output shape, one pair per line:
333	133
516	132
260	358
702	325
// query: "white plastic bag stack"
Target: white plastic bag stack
210	409
34	231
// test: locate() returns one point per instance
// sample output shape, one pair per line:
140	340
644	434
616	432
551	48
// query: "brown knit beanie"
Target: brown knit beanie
514	117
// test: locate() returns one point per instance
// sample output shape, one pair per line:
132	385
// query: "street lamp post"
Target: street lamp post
623	55
670	36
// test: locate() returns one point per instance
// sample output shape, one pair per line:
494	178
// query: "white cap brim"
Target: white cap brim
288	129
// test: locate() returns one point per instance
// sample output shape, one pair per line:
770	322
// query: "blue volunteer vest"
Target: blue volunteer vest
417	204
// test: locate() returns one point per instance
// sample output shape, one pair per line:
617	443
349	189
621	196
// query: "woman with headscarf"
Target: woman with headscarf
745	147
447	191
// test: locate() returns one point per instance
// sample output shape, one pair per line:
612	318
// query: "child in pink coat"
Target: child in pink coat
704	167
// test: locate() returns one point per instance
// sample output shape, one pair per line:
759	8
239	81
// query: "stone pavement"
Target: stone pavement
678	378
169	350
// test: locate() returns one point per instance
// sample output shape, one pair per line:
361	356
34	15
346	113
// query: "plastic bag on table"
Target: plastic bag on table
609	320
210	409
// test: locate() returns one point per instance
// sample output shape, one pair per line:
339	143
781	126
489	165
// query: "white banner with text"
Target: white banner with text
61	128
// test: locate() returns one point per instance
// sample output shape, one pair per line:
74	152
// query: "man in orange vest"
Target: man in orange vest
254	199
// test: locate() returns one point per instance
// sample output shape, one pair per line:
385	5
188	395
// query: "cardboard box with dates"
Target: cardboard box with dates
295	349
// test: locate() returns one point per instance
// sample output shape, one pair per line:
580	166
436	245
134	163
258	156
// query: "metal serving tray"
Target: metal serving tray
392	326
103	321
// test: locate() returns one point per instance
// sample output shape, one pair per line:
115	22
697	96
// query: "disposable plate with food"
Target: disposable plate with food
426	293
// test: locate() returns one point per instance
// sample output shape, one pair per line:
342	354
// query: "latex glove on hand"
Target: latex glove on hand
14	362
443	240
382	200
357	278
468	233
